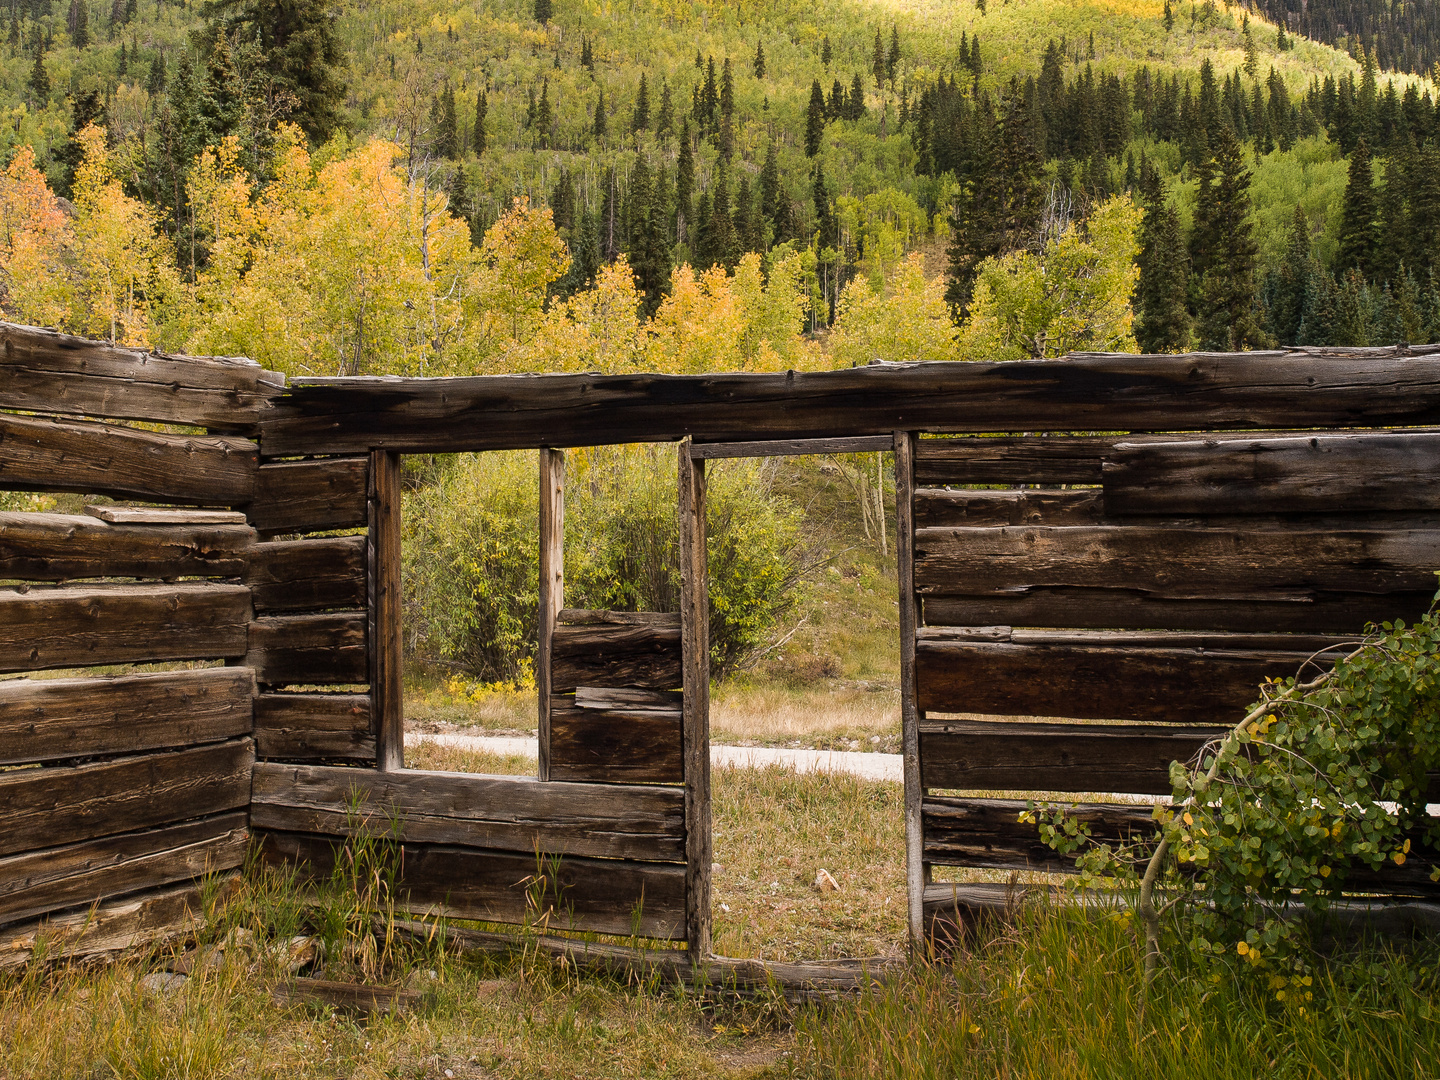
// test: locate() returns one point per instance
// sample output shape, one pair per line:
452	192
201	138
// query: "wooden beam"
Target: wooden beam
387	670
1117	392
121	624
58	719
164	515
66	547
499	813
640	656
311	496
864	444
552	588
319	649
916	870
695	723
588	617
43	371
314	727
936	508
60	805
627	746
307	575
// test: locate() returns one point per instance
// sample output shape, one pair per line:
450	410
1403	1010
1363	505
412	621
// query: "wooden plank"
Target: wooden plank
119	624
695	707
607	896
1165	639
1094	393
362	1000
44	371
644	657
916	871
641	746
1013	459
981	755
552	587
386	656
58	719
1095	683
499	813
156	515
619	698
51	806
314	727
92	870
1190	563
307	575
1303	610
322	650
864	444
60	547
587	617
311	496
936	508
1315	473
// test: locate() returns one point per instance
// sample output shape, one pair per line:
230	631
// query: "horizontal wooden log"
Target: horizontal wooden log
605	697
92	870
119	624
607	896
314	727
936	508
509	813
863	444
1303	610
978	755
311	496
1094	683
41	808
640	746
1315	473
1191	563
60	719
160	515
1012	459
355	998
1161	639
646	657
123	462
322	650
44	371
588	617
61	547
307	575
1117	392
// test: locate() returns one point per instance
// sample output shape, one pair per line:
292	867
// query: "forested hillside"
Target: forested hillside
446	187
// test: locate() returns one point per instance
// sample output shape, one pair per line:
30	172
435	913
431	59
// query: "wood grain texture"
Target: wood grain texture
124	462
695	703
645	657
1089	392
864	444
589	617
322	650
1316	473
470	883
161	515
1189	563
46	807
1012	459
916	872
385	647
311	496
307	575
979	755
1095	683
1060	606
314	727
65	547
119	624
641	746
552	588
44	371
59	719
937	508
500	813
1162	639
94	870
626	700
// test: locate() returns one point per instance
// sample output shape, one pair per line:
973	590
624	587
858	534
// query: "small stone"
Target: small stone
875	740
163	982
825	881
716	868
450	1074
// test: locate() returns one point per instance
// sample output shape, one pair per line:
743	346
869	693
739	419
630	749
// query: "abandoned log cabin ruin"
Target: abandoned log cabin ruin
1226	517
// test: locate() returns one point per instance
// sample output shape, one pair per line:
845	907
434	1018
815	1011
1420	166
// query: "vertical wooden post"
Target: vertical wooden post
387	689
915	870
552	584
695	647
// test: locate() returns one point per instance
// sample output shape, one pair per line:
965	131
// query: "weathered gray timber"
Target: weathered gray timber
316	649
864	444
937	508
1091	392
164	515
124	462
552	589
626	746
108	930
310	496
314	727
60	805
623	699
307	575
80	874
43	371
65	547
59	719
695	703
646	657
917	872
384	651
119	624
501	813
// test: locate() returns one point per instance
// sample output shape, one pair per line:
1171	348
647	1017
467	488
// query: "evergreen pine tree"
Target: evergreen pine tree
749	227
479	140
825	51
587	56
771	194
122	63
1318	318
685	190
155	84
703	247
600	129
85	108
459	199
545	117
78	24
709	101
723	239
640	120
39	81
1170	18
562	203
544	10
855	108
1292	278
892	58
759	63
1227	286
975	62
14	30
726	139
446	138
877	60
1162	323
838	107
665	118
584	253
645	237
814	120
1357	219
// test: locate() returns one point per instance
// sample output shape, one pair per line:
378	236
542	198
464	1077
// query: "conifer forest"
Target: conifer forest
496	185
